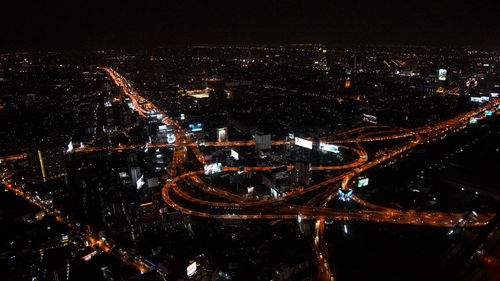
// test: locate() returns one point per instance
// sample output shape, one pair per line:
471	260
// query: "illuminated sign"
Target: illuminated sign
442	74
123	175
345	195
303	143
212	168
234	154
494	95
328	147
250	189
195	127
64	238
473	120
183	116
140	182
291	136
274	193
362	182
370	118
484	98
191	269
170	138
89	256
162	128
476	99
488	113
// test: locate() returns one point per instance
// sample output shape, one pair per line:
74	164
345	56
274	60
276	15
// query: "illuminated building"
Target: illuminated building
135	174
222	134
47	164
262	141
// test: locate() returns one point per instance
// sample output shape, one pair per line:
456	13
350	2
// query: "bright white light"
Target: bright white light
303	143
234	154
70	147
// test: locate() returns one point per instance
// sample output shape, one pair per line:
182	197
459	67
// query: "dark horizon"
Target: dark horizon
84	25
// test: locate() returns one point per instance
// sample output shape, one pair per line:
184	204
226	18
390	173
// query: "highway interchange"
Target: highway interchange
177	190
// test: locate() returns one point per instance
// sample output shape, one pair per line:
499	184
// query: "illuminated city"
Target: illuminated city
261	160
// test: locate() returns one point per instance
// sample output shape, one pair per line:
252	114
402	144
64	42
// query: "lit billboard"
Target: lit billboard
488	113
89	256
494	95
183	116
328	147
370	118
303	143
473	120
476	99
195	127
170	138
212	168
191	269
234	154
64	238
362	182
442	74
140	182
345	195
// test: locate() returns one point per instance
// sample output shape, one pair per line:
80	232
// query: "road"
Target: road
177	190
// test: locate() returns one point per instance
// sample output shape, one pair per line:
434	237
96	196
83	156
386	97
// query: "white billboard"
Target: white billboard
170	138
442	74
476	99
234	154
140	182
191	269
370	118
303	142
328	147
212	168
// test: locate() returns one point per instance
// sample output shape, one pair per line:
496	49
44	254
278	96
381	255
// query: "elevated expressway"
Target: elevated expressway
234	206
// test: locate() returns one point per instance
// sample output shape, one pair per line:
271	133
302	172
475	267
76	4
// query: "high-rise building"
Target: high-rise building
222	134
135	174
47	164
301	172
262	141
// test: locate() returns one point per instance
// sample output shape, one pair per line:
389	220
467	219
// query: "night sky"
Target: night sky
115	24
